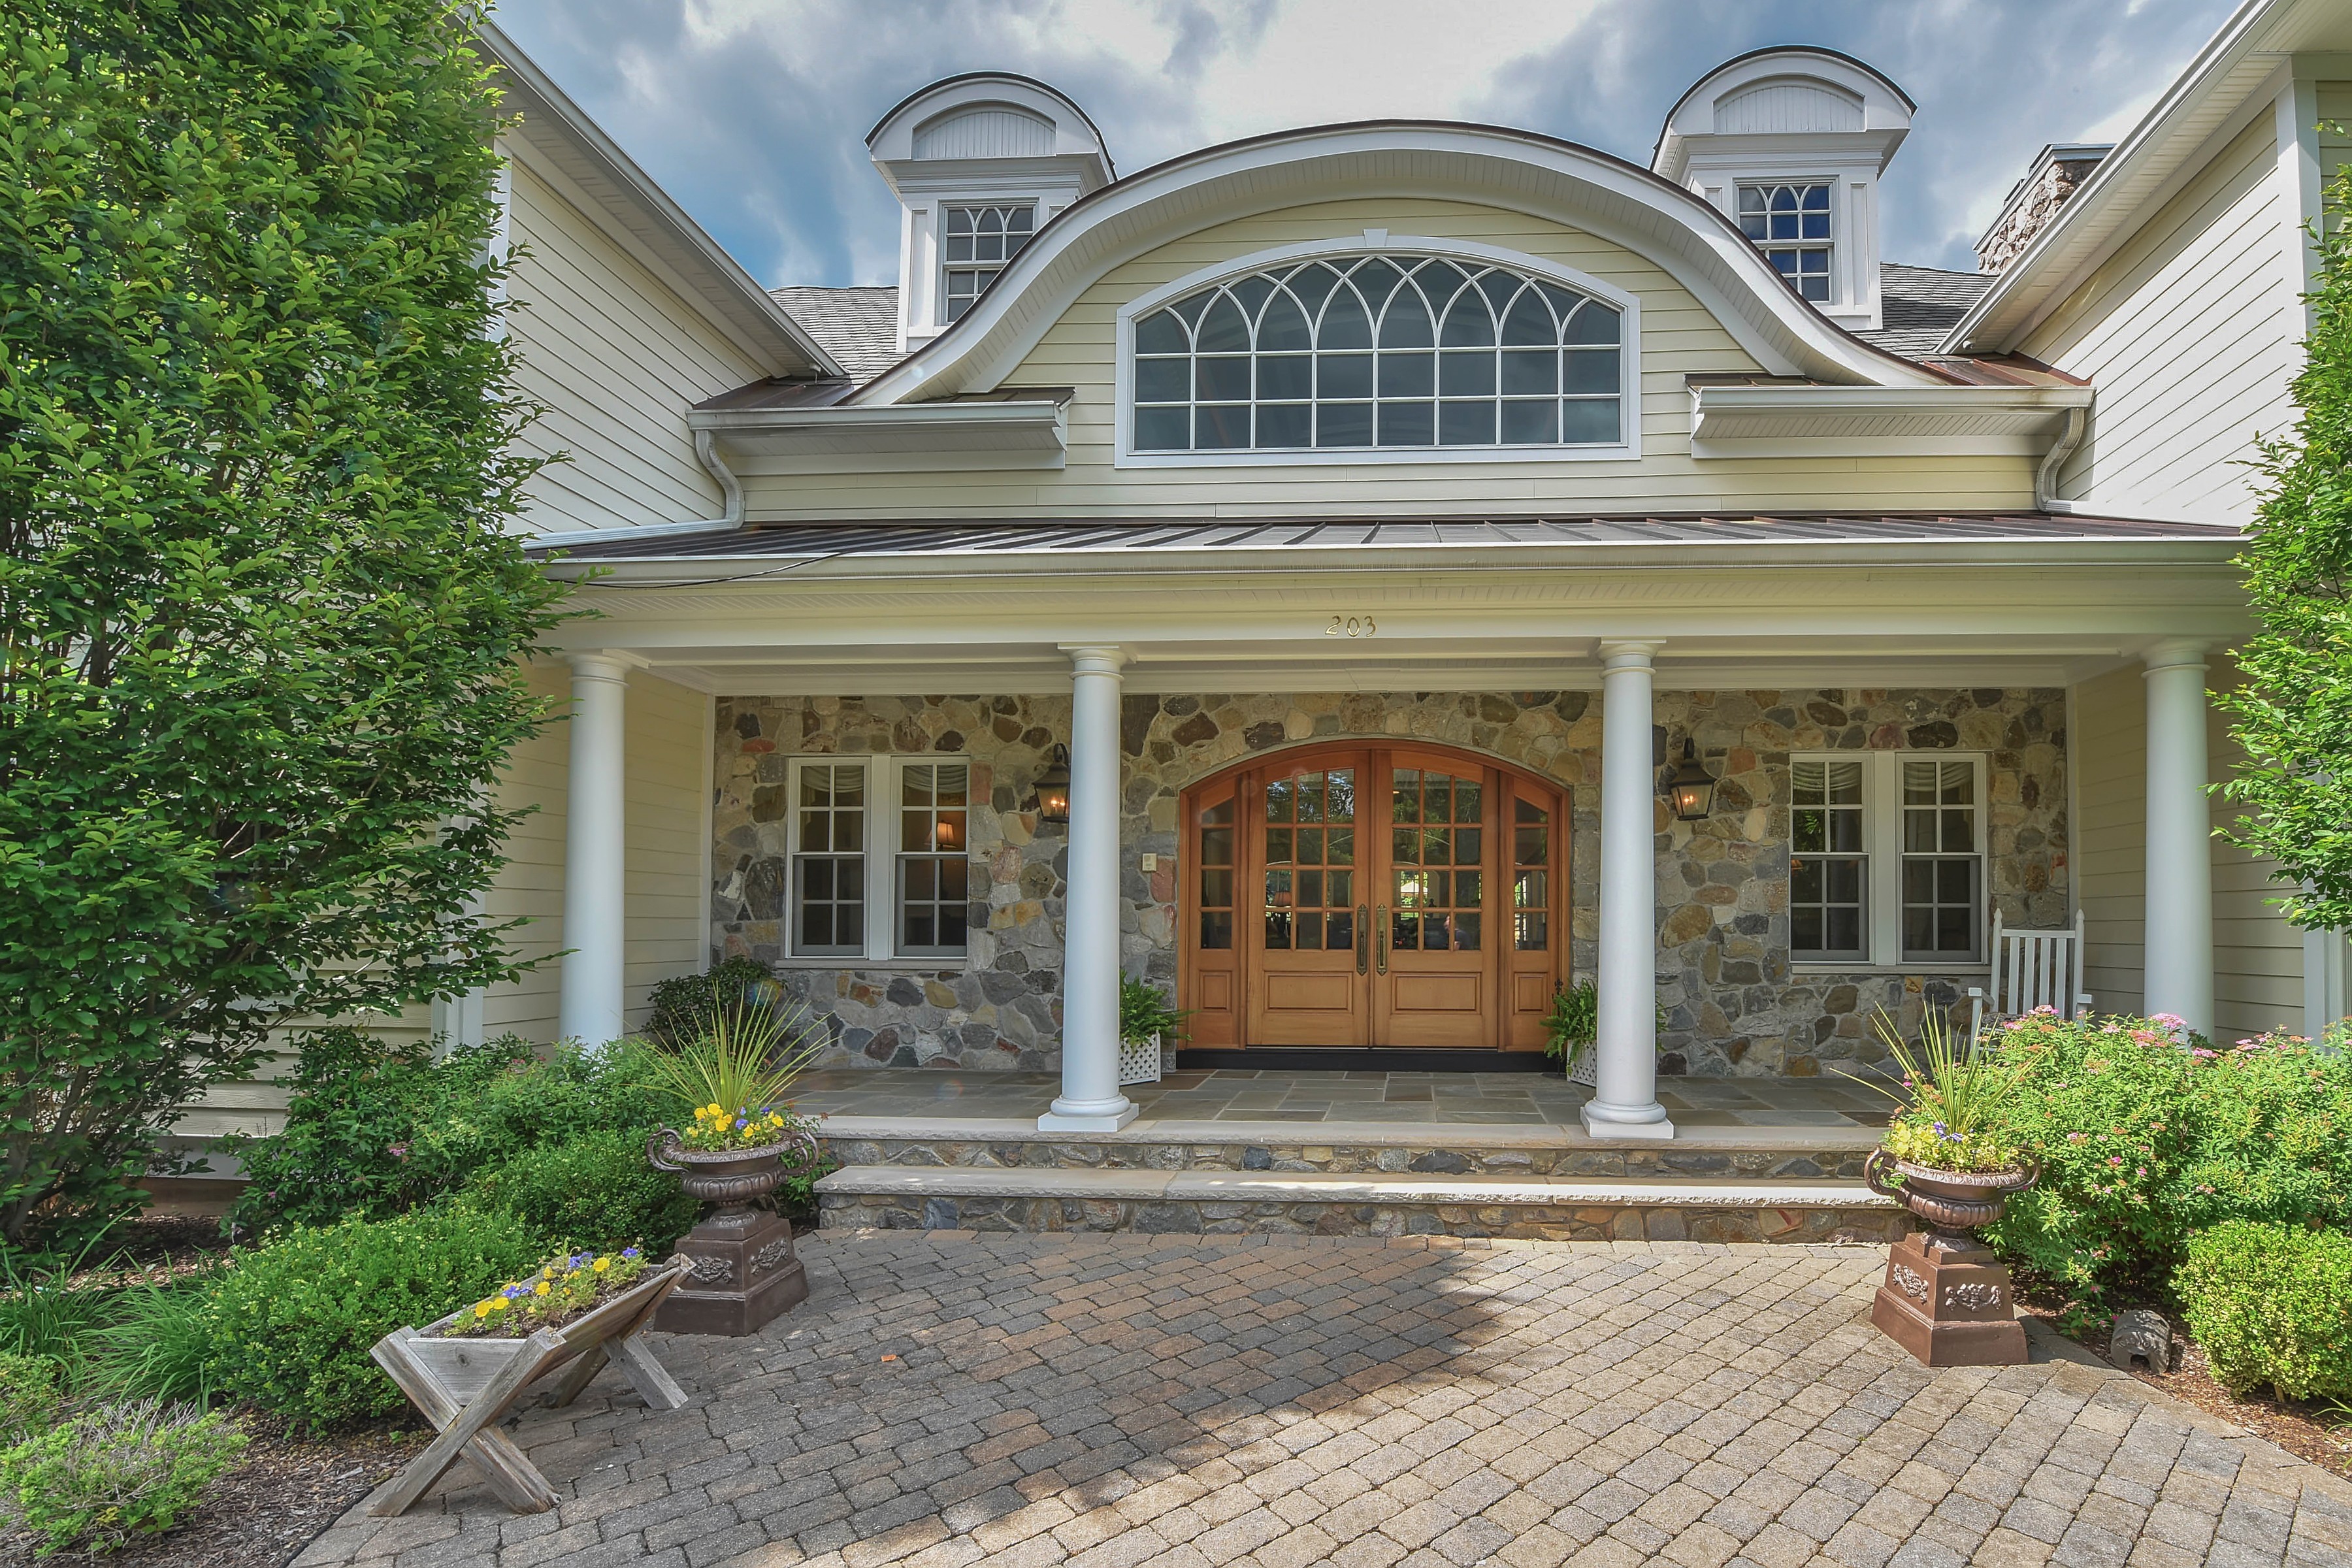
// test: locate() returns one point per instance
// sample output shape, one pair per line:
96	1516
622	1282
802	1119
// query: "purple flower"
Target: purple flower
629	1252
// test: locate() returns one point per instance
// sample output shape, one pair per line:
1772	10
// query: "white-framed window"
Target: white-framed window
1322	353
879	849
1789	222
934	858
975	244
1887	857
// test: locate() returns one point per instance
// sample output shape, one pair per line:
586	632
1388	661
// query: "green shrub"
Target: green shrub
116	1472
683	1004
293	1320
376	1129
2145	1140
2272	1304
158	1343
597	1191
28	1397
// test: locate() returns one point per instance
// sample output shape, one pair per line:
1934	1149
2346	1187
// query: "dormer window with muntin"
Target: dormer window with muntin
1790	225
978	242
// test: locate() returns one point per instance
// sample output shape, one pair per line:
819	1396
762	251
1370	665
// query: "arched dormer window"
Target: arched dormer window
1380	352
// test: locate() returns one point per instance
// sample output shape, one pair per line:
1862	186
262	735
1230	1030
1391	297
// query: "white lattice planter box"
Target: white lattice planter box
1587	1067
1139	1060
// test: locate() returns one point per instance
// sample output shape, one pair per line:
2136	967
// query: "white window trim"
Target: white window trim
883	786
1882	841
1629	358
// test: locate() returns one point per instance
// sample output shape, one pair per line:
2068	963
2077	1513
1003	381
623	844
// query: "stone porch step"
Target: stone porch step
1508	1149
1327	1202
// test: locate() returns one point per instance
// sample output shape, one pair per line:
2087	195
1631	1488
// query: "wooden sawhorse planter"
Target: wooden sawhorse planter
466	1385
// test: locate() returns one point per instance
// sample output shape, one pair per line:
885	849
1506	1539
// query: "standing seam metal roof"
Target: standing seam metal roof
1040	535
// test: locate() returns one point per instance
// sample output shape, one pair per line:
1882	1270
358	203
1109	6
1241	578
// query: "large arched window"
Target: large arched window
1386	351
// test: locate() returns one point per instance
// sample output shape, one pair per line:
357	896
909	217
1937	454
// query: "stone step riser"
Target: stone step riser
1460	1157
1566	1221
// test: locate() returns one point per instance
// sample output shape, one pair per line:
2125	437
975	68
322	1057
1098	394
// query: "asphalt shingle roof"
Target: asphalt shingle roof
858	327
1920	304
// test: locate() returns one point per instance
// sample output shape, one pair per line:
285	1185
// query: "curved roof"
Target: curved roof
972	88
1542	176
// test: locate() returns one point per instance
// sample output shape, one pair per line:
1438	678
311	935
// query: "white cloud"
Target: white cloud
753	112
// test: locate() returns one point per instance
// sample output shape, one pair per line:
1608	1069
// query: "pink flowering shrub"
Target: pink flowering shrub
2146	1134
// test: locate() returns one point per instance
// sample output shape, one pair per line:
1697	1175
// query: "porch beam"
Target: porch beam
2177	946
590	1004
1090	1100
1625	1099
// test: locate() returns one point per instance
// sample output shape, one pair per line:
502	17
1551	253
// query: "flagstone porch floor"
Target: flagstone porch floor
854	1100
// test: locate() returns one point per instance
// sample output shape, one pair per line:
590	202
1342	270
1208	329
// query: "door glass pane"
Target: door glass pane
1530	878
1433	907
1217	877
1308	882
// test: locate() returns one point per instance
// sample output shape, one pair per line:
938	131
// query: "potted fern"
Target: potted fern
1570	1028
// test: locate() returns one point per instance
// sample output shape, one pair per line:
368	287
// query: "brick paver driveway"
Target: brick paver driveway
945	1399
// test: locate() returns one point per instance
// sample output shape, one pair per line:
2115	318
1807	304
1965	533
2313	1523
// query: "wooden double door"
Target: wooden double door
1351	896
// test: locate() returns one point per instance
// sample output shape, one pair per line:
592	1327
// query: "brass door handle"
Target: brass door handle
1380	935
1363	937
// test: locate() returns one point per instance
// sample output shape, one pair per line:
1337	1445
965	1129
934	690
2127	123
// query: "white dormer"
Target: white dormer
1790	143
979	162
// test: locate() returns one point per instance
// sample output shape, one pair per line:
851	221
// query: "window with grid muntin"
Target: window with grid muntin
1376	352
975	242
934	858
1828	861
1943	873
1310	861
829	860
1790	225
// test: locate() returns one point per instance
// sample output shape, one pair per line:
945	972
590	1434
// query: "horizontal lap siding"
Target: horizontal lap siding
529	887
2107	719
2190	334
2257	956
617	358
1679	338
670	752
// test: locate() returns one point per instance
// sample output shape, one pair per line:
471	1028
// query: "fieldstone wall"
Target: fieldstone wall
1734	1004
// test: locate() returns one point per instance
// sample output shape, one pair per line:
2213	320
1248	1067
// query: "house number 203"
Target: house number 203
1351	626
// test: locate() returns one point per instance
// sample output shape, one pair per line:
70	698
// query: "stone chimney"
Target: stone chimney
2057	172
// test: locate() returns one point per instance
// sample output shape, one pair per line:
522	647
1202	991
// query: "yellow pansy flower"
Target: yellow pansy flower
603	1264
540	1289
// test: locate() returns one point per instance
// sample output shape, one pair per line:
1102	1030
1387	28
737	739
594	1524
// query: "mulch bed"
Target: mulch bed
260	1515
2302	1427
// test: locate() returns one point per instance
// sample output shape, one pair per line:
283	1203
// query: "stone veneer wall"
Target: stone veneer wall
1733	1004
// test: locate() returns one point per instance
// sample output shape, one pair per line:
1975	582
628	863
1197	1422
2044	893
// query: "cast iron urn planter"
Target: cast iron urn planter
1946	1298
740	1271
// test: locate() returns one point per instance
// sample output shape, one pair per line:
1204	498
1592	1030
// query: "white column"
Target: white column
1090	1099
2178	942
1625	1103
589	1006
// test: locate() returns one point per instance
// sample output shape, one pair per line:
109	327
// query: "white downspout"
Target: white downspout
730	490
2045	477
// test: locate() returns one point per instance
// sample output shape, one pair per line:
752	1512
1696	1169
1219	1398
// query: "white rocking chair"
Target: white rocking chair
2032	969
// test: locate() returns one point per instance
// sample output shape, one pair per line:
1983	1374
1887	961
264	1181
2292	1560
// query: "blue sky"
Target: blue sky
753	114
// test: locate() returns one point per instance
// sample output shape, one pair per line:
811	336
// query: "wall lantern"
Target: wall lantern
1692	786
1054	787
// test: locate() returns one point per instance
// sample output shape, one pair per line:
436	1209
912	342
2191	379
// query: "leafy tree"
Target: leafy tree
2293	714
259	606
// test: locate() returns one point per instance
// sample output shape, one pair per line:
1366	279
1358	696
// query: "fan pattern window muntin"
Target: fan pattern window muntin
1378	352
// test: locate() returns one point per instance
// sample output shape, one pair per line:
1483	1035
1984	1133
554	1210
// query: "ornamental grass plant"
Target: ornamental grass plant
2147	1135
730	1082
1953	1111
